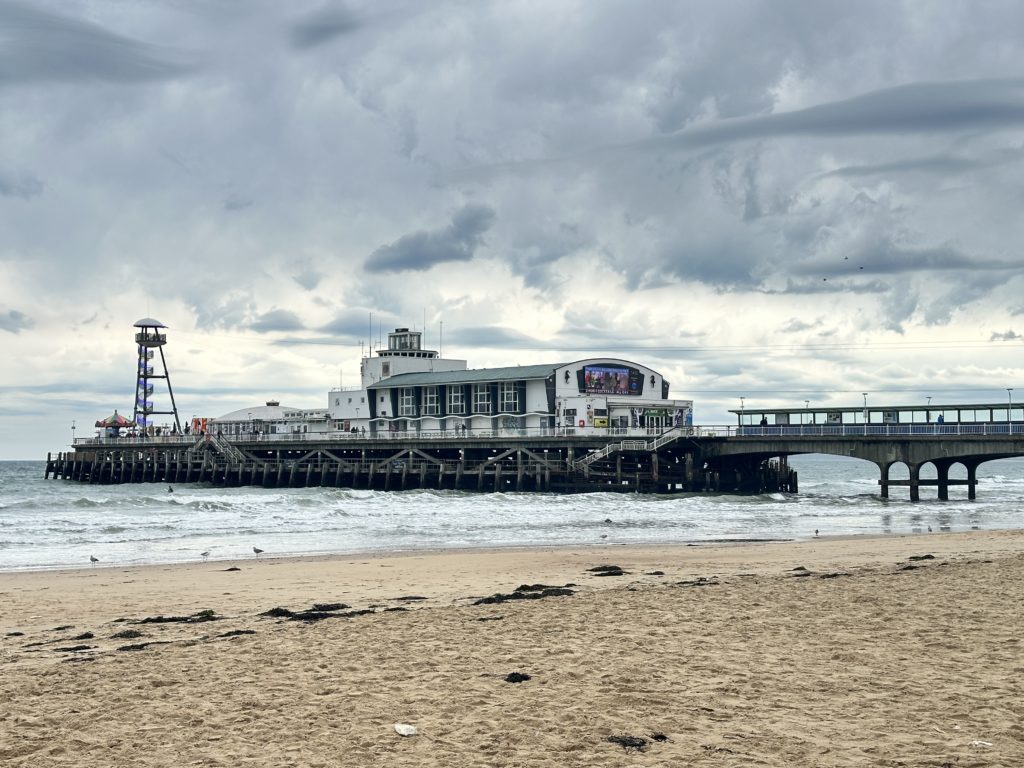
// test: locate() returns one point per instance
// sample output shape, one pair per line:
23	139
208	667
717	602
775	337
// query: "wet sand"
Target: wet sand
855	651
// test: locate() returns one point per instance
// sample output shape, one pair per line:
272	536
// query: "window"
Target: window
456	400
481	398
407	401
431	406
508	398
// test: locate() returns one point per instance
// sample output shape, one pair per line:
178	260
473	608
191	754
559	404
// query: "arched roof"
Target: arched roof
258	413
149	322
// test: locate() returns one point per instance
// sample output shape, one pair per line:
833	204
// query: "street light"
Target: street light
1009	407
742	398
72	432
865	394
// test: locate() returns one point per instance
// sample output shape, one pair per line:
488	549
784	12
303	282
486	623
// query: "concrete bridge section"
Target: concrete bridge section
943	451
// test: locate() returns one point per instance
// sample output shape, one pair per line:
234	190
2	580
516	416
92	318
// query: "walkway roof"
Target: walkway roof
933	408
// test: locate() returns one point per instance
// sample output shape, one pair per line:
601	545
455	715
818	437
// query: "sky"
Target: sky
780	201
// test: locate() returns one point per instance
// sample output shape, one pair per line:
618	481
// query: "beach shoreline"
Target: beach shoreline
843	651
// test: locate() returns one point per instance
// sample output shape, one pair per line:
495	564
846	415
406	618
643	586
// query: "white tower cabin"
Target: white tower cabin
405	354
149	341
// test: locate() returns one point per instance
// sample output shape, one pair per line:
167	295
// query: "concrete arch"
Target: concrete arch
912	479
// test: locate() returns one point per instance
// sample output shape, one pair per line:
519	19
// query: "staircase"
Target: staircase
633	445
221	445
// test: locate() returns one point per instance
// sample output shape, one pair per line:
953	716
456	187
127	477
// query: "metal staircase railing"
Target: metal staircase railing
630	445
221	444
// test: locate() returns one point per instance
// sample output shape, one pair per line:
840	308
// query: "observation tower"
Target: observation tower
149	341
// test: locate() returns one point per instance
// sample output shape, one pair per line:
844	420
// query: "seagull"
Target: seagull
815	531
257	550
93	559
204	555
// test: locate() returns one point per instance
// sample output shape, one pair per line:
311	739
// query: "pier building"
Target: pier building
409	389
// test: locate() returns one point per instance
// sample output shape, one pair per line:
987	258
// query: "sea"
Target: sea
47	524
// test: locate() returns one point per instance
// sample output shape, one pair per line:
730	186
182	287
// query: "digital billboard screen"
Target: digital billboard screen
610	380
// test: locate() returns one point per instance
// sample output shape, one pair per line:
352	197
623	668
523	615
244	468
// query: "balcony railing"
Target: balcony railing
150	339
667	433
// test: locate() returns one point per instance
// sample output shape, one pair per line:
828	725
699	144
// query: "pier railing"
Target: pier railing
590	433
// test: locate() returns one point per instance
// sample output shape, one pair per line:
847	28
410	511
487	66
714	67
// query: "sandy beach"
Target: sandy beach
889	651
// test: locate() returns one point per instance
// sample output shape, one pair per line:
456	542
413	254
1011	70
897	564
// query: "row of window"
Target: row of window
508	400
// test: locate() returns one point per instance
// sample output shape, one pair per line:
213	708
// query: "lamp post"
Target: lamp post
73	432
1009	406
742	398
865	394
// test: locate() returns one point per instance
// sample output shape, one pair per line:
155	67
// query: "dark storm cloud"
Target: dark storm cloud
420	251
945	165
20	185
277	320
323	26
1006	336
828	286
38	46
220	312
308	277
889	259
492	337
796	325
14	321
976	105
356	324
915	108
237	202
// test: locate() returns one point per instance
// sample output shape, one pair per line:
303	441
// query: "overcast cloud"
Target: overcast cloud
782	200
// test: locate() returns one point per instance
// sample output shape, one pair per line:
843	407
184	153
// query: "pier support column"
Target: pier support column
942	469
972	480
915	482
883	481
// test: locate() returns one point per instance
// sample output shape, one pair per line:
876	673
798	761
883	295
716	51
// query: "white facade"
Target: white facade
409	389
608	393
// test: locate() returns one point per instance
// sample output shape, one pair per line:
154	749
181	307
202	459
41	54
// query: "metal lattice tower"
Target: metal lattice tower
149	340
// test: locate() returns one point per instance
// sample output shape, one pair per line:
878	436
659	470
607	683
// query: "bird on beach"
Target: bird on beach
204	555
815	531
93	559
257	550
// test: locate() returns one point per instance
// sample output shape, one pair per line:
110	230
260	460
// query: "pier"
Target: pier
494	462
745	459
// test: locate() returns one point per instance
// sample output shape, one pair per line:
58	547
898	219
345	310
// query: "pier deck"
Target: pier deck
685	459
